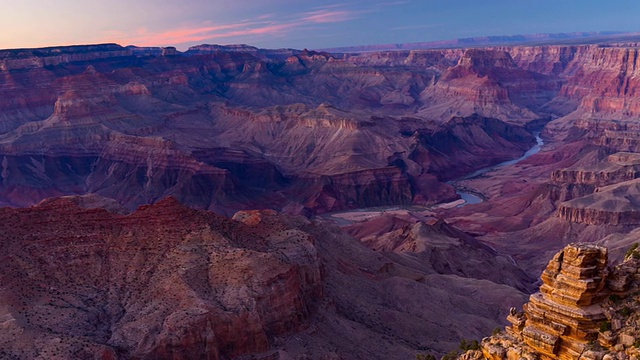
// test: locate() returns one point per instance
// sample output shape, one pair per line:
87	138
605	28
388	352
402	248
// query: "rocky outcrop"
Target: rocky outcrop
169	282
603	174
584	310
565	315
593	171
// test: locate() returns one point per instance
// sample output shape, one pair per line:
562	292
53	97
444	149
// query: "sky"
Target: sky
298	23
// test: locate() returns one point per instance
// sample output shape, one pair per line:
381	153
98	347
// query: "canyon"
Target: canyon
167	204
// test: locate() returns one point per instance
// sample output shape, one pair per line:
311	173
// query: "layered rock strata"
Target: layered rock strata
599	192
166	282
125	122
169	282
617	204
565	315
584	310
616	168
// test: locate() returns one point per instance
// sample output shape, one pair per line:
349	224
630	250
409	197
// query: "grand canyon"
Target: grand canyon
232	202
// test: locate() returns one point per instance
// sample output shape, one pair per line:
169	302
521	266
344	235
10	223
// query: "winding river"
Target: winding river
469	197
473	198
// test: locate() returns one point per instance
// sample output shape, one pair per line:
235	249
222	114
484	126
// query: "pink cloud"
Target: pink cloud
261	26
324	16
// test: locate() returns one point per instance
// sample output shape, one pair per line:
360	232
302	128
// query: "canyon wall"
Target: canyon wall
106	119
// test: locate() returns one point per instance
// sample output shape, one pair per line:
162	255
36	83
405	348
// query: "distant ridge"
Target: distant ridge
531	39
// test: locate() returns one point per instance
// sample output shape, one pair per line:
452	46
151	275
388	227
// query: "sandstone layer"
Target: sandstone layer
585	310
565	315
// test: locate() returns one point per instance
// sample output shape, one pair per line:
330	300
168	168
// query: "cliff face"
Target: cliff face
21	59
615	89
565	315
170	282
612	205
489	83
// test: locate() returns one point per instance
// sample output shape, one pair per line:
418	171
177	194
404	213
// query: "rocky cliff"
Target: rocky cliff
160	283
136	124
584	310
613	205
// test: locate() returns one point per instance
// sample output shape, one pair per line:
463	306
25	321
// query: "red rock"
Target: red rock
163	282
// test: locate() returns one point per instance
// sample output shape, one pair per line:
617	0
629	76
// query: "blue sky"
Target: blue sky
298	24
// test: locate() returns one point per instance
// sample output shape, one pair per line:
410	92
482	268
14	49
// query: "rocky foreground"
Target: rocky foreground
584	310
169	282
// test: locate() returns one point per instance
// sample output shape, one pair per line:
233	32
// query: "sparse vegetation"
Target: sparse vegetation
425	357
466	345
633	252
625	311
605	326
451	355
614	298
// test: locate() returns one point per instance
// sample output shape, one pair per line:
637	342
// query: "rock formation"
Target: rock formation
438	246
616	168
616	204
138	124
584	310
565	315
164	282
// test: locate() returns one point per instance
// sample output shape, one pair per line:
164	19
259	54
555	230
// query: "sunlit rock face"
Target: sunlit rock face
586	309
565	315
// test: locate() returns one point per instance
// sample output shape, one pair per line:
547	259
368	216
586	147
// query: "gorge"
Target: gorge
160	204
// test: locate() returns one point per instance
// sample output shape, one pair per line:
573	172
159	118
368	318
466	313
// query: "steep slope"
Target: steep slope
170	282
165	281
138	124
489	83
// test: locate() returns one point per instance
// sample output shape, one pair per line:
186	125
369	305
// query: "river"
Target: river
348	217
473	198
